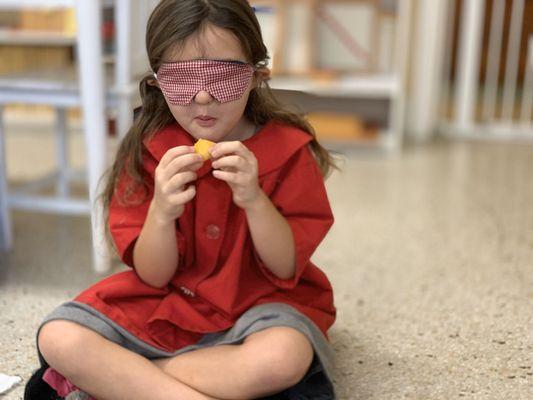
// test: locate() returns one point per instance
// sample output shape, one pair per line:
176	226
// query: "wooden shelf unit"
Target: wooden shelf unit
364	82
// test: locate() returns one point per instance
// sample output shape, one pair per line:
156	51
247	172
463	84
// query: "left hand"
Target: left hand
234	164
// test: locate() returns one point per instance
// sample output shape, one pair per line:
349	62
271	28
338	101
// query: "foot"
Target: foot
37	389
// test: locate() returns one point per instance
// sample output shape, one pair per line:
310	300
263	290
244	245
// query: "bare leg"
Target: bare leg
104	369
267	362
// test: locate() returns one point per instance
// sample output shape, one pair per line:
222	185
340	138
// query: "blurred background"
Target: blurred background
428	104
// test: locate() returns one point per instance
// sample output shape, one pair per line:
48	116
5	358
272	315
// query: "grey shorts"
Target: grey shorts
317	384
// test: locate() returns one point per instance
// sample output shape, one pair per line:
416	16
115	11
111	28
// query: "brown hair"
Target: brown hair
170	24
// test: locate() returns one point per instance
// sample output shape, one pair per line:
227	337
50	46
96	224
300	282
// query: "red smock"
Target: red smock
220	275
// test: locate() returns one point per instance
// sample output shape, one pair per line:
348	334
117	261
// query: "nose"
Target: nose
203	97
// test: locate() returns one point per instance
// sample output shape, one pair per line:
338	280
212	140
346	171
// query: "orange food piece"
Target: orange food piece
202	147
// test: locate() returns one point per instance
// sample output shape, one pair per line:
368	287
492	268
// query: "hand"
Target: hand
236	165
176	169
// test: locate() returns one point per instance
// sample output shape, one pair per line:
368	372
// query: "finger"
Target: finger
225	148
180	180
227	176
175	152
184	197
232	161
187	162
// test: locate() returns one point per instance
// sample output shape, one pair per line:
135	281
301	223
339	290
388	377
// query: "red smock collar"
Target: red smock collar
272	145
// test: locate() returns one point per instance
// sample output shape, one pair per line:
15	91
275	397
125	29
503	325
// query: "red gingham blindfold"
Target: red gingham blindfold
224	80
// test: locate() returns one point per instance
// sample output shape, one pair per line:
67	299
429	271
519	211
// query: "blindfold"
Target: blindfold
224	80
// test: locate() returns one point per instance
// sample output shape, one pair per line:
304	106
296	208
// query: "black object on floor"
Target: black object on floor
37	389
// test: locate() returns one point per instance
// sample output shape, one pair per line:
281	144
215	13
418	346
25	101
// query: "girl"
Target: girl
222	301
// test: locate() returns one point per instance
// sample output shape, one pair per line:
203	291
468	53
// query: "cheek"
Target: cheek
232	112
179	112
238	106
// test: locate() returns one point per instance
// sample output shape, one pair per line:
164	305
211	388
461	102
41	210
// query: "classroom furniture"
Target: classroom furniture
88	88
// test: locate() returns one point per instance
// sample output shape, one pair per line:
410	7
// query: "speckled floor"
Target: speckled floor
431	259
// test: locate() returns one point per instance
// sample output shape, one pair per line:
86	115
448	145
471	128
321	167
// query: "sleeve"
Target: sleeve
301	198
126	218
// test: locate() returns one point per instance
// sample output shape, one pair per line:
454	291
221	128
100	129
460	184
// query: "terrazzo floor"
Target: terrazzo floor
431	260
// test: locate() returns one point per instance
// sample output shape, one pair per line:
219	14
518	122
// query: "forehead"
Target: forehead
210	42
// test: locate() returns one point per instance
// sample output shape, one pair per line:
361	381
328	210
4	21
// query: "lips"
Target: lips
205	120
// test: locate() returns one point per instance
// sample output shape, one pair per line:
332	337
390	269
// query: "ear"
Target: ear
262	74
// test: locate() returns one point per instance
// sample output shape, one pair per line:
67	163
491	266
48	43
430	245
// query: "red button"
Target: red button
212	231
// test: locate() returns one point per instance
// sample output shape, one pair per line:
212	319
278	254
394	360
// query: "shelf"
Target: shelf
59	86
18	4
40	4
35	38
372	86
383	141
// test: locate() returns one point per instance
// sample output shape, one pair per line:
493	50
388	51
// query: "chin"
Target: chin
207	134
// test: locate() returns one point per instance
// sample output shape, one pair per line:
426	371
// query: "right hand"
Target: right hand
176	169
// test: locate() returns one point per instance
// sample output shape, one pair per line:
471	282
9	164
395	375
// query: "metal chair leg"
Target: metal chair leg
63	189
6	234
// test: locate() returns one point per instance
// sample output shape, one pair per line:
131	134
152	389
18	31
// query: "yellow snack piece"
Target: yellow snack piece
202	147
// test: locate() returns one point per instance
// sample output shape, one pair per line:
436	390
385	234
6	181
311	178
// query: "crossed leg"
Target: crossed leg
267	362
106	370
